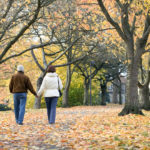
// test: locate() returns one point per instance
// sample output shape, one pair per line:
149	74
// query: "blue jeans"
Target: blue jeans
19	106
51	103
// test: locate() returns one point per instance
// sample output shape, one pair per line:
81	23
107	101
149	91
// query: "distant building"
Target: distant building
123	90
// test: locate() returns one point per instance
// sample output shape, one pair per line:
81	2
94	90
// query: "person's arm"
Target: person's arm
11	85
30	87
42	87
60	83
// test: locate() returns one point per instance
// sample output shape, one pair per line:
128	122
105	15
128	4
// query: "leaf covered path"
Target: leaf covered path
76	128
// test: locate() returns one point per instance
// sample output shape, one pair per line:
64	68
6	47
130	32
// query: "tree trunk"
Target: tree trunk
103	89
66	89
120	97
115	92
132	103
144	93
86	89
37	103
144	97
120	93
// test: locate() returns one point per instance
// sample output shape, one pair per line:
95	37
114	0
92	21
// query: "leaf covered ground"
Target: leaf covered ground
76	128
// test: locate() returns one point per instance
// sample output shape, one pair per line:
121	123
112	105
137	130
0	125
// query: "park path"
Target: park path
79	128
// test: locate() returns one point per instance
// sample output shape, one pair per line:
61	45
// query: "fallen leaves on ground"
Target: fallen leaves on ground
76	128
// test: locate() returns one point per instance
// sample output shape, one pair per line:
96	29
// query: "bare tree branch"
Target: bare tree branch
111	21
133	25
64	51
146	32
8	8
11	22
43	52
125	21
37	62
24	51
119	3
9	45
46	2
78	59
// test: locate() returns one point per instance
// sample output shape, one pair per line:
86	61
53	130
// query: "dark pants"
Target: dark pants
51	103
19	106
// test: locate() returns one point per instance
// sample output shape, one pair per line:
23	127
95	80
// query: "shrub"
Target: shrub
96	99
4	107
31	101
59	103
43	104
76	94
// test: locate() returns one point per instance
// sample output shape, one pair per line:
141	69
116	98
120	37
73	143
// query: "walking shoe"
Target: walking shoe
20	123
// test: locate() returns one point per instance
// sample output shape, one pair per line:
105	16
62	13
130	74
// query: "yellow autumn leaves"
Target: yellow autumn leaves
77	128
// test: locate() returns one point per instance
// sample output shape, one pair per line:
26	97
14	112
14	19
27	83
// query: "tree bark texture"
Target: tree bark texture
37	104
144	93
144	98
120	91
120	95
66	89
86	91
132	103
104	92
115	92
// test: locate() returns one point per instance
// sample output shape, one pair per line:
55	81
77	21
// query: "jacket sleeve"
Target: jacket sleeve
60	83
41	90
11	85
30	87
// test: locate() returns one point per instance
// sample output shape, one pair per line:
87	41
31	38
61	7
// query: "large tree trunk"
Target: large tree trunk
132	103
66	89
115	92
86	89
134	51
144	93
37	103
103	89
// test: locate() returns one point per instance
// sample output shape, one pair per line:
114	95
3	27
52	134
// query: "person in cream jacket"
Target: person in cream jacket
50	85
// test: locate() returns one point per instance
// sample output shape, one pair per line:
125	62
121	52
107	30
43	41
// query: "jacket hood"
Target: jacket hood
52	74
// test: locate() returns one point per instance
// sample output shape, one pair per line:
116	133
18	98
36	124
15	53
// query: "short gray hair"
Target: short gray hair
20	68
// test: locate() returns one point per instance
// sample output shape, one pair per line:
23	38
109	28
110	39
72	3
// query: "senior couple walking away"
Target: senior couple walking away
20	84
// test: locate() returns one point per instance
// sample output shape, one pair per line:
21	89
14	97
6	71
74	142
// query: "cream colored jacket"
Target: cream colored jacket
50	85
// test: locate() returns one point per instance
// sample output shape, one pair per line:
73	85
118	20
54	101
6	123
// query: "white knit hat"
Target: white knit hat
20	68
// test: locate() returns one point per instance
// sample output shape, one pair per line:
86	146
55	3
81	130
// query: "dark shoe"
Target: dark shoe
20	123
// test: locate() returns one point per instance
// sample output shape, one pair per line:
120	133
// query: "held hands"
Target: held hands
36	96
